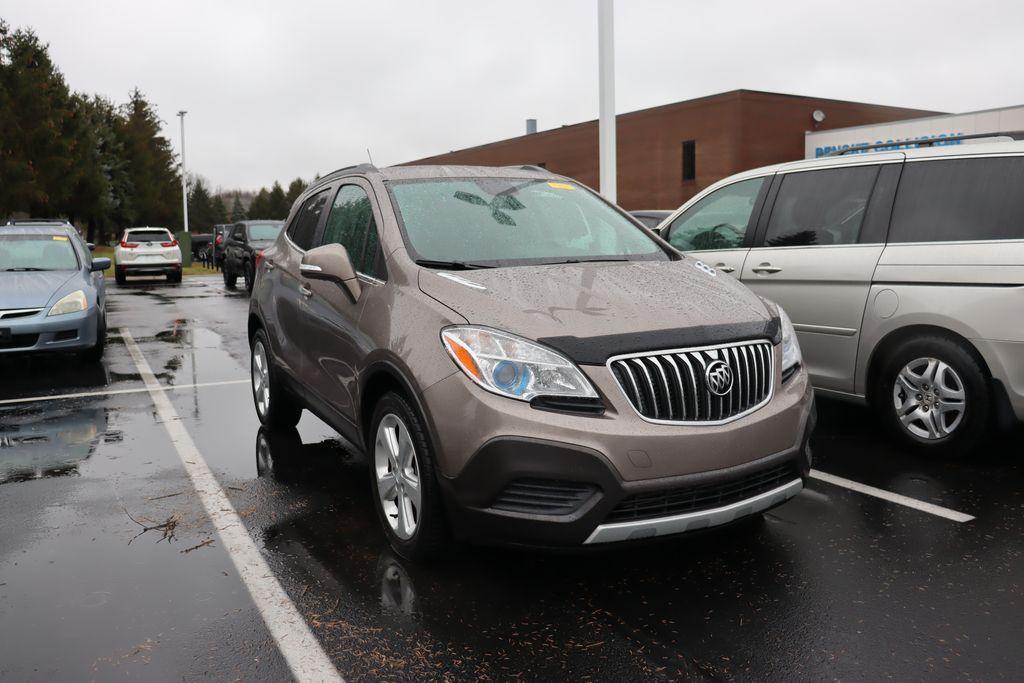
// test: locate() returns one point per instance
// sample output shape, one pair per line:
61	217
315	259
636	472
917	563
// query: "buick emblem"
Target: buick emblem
718	377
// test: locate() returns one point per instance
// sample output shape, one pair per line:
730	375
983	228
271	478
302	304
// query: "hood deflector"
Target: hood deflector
597	350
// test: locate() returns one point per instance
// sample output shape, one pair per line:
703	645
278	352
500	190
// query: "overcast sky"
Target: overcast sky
281	89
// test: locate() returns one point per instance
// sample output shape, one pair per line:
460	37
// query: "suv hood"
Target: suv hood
591	311
32	289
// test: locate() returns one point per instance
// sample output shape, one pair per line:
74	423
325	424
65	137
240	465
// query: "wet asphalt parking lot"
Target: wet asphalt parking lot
111	566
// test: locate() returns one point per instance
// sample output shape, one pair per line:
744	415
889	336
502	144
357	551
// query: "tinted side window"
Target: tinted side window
719	220
239	232
821	207
351	225
960	199
303	226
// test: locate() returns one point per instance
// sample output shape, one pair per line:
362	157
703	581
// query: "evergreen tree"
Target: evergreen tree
220	212
295	188
260	207
237	210
278	206
152	165
201	214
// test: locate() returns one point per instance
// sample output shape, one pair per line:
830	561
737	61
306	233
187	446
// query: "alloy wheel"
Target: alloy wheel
260	379
398	476
929	398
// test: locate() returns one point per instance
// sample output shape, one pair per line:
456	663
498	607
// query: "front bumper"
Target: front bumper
492	450
41	333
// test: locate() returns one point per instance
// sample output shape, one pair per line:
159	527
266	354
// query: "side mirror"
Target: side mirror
99	264
331	263
92	247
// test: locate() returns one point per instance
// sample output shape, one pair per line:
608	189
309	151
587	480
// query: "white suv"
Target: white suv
147	251
903	273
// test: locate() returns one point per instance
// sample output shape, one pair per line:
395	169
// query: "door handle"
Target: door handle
270	264
766	268
305	291
724	268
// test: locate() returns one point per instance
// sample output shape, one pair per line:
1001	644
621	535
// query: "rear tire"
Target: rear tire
275	406
230	278
250	276
933	394
403	480
119	276
174	278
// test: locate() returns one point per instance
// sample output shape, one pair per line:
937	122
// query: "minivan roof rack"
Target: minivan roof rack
355	168
929	142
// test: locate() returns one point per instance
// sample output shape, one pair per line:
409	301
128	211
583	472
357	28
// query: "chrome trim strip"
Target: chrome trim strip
691	521
759	360
461	281
825	329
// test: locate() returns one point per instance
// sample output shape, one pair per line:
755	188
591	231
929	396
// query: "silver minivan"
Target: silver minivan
903	273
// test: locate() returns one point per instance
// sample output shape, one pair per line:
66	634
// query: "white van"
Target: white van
903	273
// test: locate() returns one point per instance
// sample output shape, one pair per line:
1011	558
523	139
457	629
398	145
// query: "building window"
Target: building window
689	160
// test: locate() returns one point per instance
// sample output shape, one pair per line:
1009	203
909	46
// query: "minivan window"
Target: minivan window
718	221
351	225
821	207
960	199
515	221
303	226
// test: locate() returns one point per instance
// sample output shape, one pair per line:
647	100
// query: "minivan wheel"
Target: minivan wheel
274	405
933	395
405	490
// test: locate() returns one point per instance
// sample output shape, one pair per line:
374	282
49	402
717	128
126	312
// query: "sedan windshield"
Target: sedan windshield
36	252
483	222
264	231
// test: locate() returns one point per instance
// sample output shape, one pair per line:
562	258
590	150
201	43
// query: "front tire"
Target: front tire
250	276
404	485
933	395
275	406
94	354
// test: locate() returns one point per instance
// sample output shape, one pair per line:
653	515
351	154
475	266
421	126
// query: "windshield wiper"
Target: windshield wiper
450	265
608	259
24	270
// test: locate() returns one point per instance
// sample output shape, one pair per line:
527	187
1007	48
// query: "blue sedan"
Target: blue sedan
51	292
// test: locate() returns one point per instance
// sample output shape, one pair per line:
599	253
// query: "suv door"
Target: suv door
719	227
332	320
288	289
815	255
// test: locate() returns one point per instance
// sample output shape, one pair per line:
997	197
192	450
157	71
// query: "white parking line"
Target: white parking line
897	498
111	392
300	648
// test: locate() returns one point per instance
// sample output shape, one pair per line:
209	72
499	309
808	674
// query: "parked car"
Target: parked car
147	251
52	295
244	248
903	272
220	235
521	360
650	218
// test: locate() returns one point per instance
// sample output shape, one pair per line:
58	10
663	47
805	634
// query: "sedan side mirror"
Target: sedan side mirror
331	263
99	264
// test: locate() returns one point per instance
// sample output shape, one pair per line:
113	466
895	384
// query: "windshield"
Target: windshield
36	252
264	231
512	221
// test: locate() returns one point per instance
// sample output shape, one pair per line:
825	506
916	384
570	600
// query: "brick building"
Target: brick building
667	154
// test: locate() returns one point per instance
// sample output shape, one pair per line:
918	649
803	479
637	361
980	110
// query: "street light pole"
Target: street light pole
184	183
606	79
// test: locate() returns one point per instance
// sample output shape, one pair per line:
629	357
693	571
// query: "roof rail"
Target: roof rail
355	168
929	142
529	167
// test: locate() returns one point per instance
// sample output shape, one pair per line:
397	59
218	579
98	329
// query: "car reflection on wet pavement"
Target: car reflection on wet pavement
834	584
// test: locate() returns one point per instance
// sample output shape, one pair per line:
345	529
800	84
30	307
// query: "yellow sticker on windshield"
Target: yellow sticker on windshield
561	186
60	238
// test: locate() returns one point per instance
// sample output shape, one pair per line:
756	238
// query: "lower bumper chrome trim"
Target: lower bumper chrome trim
692	521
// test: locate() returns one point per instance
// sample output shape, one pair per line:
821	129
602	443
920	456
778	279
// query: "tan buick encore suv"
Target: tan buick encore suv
903	271
522	362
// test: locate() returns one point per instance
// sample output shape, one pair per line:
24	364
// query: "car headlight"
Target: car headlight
511	366
791	356
71	303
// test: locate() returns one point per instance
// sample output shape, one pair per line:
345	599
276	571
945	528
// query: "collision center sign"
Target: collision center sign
898	134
